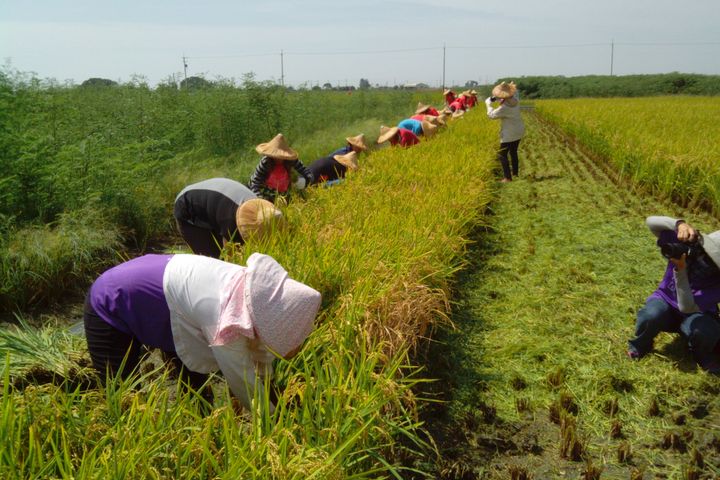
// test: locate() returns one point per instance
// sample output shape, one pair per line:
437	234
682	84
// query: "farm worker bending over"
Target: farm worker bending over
206	314
512	127
418	127
449	96
272	175
437	121
354	144
397	136
219	210
426	110
333	167
686	299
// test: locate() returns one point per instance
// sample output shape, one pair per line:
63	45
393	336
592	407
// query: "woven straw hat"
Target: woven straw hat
431	118
386	133
504	90
447	90
277	148
255	217
358	141
428	129
421	107
349	160
282	310
458	113
442	119
473	92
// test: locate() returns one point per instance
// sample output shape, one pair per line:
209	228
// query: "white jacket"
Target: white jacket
513	127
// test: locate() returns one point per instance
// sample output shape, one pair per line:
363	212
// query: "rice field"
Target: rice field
668	145
382	248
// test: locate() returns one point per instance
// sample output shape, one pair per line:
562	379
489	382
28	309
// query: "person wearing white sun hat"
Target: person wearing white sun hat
205	314
686	300
512	128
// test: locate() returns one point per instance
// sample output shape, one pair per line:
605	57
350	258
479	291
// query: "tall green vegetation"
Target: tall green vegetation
112	158
665	144
382	248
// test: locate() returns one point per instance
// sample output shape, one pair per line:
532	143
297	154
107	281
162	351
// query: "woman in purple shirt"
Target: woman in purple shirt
686	299
205	314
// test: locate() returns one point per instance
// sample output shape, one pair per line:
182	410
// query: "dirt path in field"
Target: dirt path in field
535	382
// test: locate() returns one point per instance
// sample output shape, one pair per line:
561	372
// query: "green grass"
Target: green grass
544	317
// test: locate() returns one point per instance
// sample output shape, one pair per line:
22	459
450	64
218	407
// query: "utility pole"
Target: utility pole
612	55
443	85
282	69
185	68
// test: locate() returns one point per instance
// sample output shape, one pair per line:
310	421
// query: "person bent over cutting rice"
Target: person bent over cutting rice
354	144
205	314
333	167
397	136
212	212
686	301
418	127
423	109
272	175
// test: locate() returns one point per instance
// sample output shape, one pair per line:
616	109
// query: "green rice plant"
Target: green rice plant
383	248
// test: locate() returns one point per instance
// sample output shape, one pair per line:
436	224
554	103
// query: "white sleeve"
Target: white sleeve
659	224
241	371
686	302
494	113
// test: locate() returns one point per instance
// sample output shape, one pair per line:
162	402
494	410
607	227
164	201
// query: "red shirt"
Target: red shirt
406	138
419	116
458	104
449	98
432	111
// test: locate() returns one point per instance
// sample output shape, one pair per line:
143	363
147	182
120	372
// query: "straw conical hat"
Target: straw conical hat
447	91
431	118
350	160
428	129
442	119
386	133
458	113
277	148
473	92
504	90
358	141
255	216
421	107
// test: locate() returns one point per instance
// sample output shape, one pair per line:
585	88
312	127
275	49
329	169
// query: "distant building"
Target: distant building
414	86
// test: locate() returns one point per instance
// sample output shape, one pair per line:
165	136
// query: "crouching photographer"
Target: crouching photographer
686	301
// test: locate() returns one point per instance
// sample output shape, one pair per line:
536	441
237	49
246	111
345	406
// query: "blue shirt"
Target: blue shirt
341	151
414	126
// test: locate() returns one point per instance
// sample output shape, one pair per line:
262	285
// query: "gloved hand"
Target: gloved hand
300	183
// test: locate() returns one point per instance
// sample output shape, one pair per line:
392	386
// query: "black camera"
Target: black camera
493	99
675	250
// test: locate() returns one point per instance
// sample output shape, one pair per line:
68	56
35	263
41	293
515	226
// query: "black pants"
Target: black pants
109	347
511	149
201	240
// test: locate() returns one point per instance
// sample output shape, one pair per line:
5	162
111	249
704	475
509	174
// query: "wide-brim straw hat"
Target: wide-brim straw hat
458	113
448	91
504	90
473	92
442	119
386	133
711	245
421	107
428	129
431	118
358	142
282	310
256	218
349	160
277	148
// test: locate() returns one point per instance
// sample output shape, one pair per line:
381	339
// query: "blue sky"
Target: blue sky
485	40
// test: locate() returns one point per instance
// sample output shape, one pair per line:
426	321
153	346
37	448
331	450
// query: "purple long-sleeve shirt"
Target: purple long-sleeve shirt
706	297
130	297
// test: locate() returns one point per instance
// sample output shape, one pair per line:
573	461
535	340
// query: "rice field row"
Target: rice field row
668	145
382	248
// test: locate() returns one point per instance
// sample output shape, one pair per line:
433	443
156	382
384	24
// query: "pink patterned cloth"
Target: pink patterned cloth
235	319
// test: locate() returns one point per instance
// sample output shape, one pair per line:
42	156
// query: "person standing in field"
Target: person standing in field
271	178
333	167
512	127
212	212
206	315
354	144
686	300
397	136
